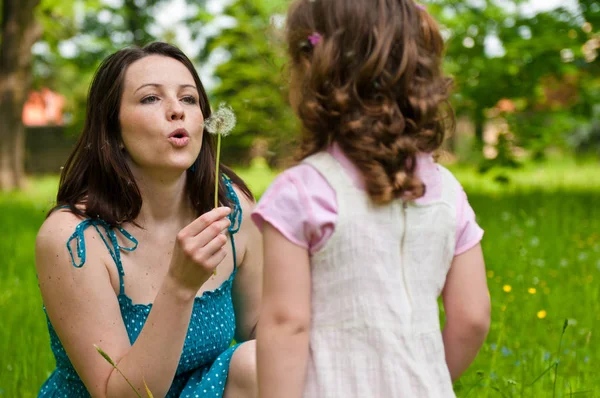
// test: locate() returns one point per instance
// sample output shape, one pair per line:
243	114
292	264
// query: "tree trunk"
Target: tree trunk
19	32
479	120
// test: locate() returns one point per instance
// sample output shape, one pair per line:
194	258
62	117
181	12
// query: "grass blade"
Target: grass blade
565	325
109	360
148	392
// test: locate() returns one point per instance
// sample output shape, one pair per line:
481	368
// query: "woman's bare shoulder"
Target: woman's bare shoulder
57	228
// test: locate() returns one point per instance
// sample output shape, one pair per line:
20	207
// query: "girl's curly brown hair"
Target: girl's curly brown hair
373	83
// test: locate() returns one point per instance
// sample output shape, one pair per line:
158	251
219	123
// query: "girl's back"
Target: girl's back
375	286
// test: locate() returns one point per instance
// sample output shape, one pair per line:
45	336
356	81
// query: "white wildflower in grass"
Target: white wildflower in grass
220	123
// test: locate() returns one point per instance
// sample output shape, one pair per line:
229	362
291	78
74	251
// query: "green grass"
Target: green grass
24	344
542	252
542	233
550	177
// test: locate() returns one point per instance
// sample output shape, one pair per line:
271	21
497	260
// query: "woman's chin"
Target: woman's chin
180	165
163	171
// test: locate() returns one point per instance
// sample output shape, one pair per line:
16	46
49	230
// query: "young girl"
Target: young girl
366	233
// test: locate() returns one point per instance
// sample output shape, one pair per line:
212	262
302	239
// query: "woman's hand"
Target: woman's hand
199	249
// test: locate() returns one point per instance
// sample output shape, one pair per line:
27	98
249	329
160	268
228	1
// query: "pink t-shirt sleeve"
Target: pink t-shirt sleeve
305	217
468	232
302	206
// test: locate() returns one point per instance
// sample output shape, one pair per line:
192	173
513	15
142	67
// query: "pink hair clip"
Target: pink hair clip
422	7
315	38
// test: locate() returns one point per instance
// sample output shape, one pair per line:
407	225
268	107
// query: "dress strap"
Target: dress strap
233	251
111	244
235	217
236	214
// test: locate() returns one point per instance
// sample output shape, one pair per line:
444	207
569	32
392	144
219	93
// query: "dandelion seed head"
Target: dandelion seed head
221	122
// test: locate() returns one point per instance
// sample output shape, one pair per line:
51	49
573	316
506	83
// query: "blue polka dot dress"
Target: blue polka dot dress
207	351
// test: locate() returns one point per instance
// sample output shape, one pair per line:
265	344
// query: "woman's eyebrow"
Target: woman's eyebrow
160	85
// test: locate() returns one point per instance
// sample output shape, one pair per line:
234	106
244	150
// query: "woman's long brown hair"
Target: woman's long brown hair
373	84
96	174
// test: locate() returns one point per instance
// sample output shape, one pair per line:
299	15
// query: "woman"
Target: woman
135	224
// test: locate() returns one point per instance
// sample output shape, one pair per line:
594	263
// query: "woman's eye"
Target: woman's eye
150	99
190	100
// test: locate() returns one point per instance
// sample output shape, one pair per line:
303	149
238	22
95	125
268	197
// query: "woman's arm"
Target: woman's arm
84	311
283	327
247	285
467	306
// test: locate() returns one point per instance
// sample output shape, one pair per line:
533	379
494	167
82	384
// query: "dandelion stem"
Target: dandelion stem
217	170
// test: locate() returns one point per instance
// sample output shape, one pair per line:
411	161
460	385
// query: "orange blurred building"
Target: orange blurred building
43	108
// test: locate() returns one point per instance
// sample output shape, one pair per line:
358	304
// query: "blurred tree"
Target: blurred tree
590	9
496	52
78	35
253	78
59	44
20	31
586	137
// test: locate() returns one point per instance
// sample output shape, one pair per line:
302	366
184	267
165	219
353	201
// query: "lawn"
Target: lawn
542	248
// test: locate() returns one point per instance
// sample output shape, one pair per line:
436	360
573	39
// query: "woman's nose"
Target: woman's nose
175	111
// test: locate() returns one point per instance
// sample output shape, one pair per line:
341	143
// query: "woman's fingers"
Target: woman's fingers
209	255
204	221
191	243
213	261
199	247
